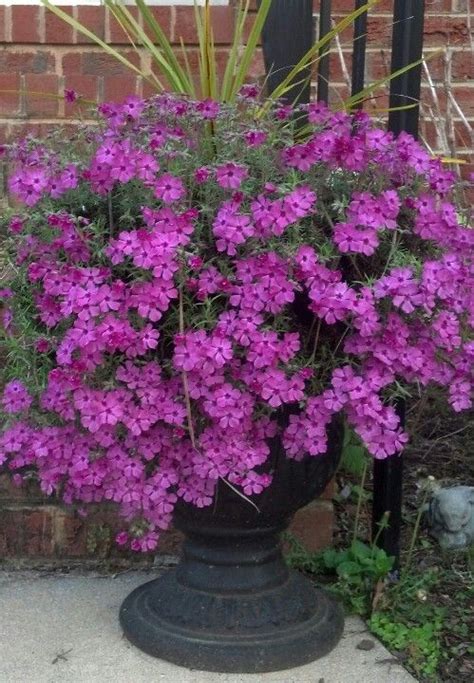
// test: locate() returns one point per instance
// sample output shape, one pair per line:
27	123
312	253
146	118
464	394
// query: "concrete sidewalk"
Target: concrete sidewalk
63	628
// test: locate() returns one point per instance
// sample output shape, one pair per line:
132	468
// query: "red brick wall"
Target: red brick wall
38	53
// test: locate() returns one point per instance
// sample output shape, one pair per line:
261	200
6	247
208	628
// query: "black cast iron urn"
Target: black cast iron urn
232	605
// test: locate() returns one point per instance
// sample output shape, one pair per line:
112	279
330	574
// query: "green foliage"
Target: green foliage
354	455
357	570
421	642
99	540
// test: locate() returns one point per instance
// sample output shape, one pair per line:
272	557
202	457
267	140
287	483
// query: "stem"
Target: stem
382	525
393	248
343	335
359	502
356	267
184	376
111	215
316	340
239	493
311	330
416	529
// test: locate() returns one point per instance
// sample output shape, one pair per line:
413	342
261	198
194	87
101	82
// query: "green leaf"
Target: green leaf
89	34
354	459
163	56
312	55
349	569
360	96
182	74
249	50
360	550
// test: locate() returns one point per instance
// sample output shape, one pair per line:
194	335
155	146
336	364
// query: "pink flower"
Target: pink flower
169	188
255	138
70	95
15	397
230	175
208	109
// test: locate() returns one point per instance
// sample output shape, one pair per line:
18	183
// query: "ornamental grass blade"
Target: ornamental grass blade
360	96
166	47
243	65
175	77
187	66
207	52
89	34
230	69
128	28
312	55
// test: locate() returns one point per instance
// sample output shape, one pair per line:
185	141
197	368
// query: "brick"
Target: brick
58	31
445	30
116	35
9	101
118	88
100	64
93	18
462	138
93	535
9	493
329	492
342	7
71	63
467	169
222	19
86	87
462	65
313	525
26	532
148	89
335	67
171	542
437	6
257	69
460	5
22	61
162	16
39	105
3	24
338	94
25	24
192	55
462	94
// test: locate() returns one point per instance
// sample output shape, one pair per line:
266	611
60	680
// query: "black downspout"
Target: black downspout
323	61
287	35
358	53
407	47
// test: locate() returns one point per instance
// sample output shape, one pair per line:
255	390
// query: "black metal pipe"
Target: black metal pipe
287	35
407	47
387	499
358	53
323	62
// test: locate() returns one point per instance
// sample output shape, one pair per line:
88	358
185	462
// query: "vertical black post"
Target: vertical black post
387	499
323	62
358	52
407	46
287	35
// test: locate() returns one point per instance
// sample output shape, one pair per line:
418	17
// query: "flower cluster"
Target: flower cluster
193	284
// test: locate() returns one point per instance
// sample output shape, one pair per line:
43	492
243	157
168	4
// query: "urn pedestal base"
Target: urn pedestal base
232	606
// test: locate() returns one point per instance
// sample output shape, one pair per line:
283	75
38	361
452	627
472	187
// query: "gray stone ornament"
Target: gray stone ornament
451	516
